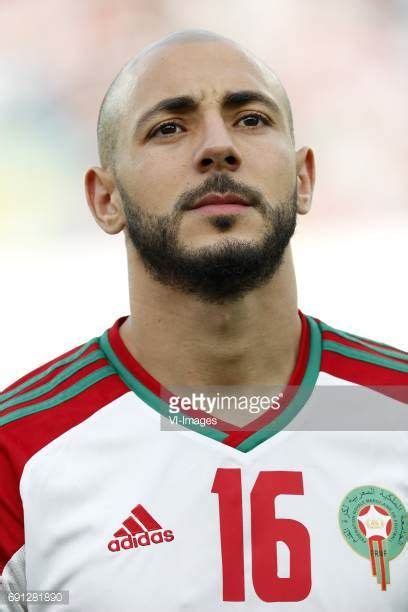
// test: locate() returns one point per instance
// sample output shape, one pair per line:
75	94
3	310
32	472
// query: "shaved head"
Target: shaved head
116	99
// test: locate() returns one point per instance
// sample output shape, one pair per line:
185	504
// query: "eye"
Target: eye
166	129
254	120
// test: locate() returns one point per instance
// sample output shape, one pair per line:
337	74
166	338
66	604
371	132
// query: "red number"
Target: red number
266	531
227	483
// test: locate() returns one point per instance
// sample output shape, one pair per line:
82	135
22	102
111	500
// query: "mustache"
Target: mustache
220	183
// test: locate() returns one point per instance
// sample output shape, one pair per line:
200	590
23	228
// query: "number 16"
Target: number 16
266	531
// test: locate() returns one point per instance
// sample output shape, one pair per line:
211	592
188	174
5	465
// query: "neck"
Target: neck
181	340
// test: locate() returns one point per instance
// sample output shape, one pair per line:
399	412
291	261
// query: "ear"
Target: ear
305	169
103	200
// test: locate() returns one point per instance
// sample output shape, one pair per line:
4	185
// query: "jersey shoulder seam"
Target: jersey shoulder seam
57	382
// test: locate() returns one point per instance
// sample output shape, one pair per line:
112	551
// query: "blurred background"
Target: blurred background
344	65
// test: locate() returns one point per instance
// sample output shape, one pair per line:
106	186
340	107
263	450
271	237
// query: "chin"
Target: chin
216	241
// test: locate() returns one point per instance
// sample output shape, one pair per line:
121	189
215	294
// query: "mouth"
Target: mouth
214	203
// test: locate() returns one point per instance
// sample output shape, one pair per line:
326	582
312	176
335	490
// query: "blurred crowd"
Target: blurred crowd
344	65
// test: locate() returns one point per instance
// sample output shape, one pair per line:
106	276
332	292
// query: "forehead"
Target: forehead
203	69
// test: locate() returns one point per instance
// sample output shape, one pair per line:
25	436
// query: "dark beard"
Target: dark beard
215	274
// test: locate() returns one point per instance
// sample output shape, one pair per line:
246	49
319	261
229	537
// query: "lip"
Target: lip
214	199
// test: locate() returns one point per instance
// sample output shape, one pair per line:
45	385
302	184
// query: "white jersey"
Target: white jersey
101	506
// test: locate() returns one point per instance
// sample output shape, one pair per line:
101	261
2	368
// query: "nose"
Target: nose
217	151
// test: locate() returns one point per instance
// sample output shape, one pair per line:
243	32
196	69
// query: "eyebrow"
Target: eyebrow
182	104
239	98
185	104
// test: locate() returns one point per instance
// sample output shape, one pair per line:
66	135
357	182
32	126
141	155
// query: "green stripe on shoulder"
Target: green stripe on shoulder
65	395
384	349
32	380
58	379
361	355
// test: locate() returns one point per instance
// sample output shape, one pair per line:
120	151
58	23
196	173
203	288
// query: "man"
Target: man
235	508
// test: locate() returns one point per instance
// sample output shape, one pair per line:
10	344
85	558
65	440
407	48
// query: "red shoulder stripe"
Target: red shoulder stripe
88	369
40	369
48	377
385	380
380	345
331	335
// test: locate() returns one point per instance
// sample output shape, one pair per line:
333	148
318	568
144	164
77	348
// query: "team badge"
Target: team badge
375	524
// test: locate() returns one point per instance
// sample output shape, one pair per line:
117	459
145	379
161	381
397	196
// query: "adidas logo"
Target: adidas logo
139	529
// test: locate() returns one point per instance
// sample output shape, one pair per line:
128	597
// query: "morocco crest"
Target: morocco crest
374	523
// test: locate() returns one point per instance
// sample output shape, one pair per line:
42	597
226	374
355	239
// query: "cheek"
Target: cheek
152	182
275	168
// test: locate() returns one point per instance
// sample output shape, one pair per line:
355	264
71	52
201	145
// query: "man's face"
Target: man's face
211	143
